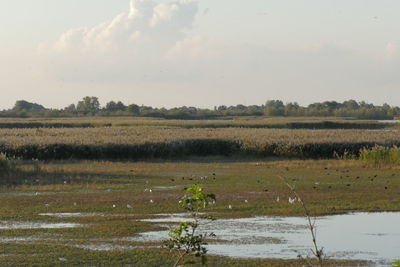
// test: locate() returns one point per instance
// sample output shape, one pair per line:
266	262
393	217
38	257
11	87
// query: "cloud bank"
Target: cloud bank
132	45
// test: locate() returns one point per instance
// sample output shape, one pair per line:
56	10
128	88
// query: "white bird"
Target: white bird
150	191
75	204
129	206
277	199
317	183
292	200
230	207
246	201
114	206
62	259
151	201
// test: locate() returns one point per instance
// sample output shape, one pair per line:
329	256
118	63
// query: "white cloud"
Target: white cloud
135	41
149	50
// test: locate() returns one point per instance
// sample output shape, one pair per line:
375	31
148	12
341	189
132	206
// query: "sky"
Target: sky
201	53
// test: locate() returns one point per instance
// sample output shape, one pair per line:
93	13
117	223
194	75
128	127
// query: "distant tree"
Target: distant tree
88	105
112	106
133	109
292	109
71	107
274	108
351	104
22	105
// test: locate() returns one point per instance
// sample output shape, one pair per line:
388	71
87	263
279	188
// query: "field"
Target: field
150	142
108	196
225	122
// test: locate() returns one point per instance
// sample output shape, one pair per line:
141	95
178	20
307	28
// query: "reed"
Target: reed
381	155
146	142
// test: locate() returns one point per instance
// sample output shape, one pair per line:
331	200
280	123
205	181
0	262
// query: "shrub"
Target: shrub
184	238
381	155
6	166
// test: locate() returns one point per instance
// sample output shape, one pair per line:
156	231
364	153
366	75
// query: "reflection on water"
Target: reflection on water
364	236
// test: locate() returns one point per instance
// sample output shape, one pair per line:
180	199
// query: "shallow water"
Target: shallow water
362	236
166	187
389	121
104	247
70	214
36	225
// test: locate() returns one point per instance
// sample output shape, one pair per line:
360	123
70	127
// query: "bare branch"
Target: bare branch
318	253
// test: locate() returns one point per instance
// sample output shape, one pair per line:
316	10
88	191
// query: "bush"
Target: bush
381	155
7	167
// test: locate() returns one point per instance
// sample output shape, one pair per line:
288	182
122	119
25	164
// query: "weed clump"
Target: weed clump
379	155
7	167
184	238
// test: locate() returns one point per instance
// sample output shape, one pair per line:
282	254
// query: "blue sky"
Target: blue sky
201	53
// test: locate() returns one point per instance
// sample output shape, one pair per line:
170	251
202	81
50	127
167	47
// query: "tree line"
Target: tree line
90	106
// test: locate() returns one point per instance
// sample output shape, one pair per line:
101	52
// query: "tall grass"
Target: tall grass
6	166
229	122
381	155
169	142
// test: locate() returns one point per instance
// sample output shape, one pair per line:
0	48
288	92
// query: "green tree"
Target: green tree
113	106
133	109
22	105
274	108
88	105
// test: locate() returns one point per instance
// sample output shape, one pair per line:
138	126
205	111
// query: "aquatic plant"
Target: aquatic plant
184	239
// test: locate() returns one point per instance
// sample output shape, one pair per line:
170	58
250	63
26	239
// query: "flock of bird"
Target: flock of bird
290	199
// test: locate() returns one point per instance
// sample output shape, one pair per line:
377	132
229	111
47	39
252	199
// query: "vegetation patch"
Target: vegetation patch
379	155
140	143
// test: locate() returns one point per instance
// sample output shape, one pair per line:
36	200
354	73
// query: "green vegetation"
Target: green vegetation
329	187
381	155
6	166
239	160
150	142
226	122
91	106
184	238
